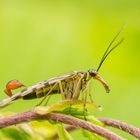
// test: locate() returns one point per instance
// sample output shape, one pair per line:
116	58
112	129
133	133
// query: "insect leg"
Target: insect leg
61	90
47	94
89	92
69	89
77	90
86	92
85	99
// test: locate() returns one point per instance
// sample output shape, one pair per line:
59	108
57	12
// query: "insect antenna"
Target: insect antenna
107	52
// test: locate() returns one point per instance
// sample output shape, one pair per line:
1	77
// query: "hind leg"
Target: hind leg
74	92
84	105
45	97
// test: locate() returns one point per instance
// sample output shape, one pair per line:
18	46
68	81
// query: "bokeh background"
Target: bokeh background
43	39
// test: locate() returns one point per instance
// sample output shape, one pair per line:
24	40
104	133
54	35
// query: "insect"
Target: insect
69	85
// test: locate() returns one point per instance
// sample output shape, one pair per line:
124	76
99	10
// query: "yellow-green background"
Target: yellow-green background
42	39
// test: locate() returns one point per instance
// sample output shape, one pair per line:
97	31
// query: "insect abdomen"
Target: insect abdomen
32	95
41	92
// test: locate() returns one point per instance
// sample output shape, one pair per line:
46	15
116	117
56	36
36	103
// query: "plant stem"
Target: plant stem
31	115
122	126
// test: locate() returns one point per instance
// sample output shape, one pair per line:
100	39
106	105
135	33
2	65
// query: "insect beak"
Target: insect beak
102	81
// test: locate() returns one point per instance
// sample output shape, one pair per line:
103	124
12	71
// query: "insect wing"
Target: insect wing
47	83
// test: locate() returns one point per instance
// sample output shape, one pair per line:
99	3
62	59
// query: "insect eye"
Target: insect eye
92	72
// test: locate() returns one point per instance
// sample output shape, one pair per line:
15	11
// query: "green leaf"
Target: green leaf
61	105
91	136
94	120
15	133
43	128
62	133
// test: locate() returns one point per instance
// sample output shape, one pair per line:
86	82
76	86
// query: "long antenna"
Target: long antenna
107	52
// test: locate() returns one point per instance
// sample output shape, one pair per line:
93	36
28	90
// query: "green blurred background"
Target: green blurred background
43	39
